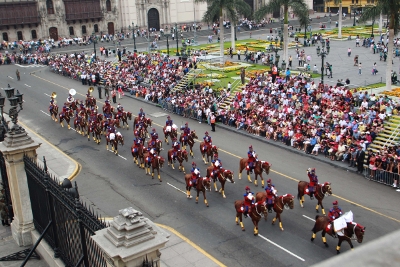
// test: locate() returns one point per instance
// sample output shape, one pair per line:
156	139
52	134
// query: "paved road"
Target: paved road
211	228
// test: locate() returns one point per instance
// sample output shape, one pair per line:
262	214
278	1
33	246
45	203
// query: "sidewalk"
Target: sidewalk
178	252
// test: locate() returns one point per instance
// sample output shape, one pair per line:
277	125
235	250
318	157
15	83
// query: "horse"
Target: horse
54	112
321	190
114	143
67	117
255	214
124	118
172	134
260	166
202	184
158	146
189	141
222	176
90	101
137	154
211	153
80	125
140	133
95	129
156	163
323	223
282	202
180	156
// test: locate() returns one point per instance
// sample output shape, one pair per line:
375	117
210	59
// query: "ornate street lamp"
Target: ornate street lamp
176	36
94	39
167	35
134	36
323	53
15	100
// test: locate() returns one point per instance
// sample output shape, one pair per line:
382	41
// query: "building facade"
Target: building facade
43	19
159	14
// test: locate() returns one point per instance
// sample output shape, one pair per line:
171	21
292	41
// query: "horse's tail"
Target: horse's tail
315	224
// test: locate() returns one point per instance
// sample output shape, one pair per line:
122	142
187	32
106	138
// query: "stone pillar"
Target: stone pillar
14	147
130	239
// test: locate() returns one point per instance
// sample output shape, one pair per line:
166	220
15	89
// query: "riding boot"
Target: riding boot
269	208
311	195
245	215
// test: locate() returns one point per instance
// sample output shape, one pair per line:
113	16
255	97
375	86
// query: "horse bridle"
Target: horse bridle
224	177
203	183
259	213
354	232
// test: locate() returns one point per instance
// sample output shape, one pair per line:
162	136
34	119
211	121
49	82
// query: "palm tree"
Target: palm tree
298	6
217	8
391	9
339	2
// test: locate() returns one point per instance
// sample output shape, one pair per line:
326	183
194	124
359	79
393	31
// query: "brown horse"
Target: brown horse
54	112
211	153
118	139
260	166
155	164
202	184
158	146
137	154
282	202
223	175
80	125
180	156
90	102
67	117
188	142
352	229
124	118
95	129
321	190
257	210
172	134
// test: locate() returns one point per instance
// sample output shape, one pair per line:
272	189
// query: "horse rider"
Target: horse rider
70	99
120	110
195	174
138	127
137	142
52	104
186	131
252	157
217	167
271	195
168	124
334	213
154	137
176	146
152	155
248	201
313	181
111	129
141	114
207	141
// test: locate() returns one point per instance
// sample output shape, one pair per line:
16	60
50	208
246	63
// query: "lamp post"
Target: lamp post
134	36
3	125
15	100
354	9
323	53
167	35
94	44
176	36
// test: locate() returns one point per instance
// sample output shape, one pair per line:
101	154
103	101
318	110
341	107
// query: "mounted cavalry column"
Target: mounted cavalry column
14	147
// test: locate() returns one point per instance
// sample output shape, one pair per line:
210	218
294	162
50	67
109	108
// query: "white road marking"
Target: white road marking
27	85
31	66
311	219
10	77
118	154
176	188
45	113
47	95
284	249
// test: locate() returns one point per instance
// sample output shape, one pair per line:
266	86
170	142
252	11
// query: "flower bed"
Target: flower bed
394	92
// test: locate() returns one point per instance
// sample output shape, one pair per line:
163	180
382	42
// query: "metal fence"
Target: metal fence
71	222
382	177
4	183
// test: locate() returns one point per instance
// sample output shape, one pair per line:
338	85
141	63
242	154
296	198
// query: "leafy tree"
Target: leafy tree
299	8
391	9
216	10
